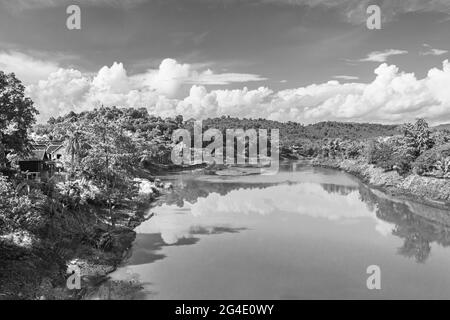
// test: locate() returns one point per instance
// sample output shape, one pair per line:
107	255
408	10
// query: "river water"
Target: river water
305	233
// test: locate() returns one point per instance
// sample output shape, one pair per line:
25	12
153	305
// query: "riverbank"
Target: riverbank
36	268
429	190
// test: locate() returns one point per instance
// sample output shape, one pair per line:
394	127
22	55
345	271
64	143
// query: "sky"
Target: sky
286	60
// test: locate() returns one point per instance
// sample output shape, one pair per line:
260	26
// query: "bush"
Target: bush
442	168
427	162
14	209
353	149
381	154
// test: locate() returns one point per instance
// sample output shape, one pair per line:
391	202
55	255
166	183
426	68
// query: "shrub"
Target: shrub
332	149
443	167
14	209
354	151
427	161
381	154
404	155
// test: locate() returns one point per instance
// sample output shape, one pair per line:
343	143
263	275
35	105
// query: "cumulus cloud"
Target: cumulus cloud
171	77
27	68
382	56
65	90
393	96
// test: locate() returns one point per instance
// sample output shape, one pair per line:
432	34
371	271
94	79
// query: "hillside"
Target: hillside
445	126
292	132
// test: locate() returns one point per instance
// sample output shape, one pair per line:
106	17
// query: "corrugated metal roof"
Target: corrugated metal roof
38	147
53	148
37	155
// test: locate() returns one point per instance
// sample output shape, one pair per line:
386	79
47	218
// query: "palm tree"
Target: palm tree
73	148
2	152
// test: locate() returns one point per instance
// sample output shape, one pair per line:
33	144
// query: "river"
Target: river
305	233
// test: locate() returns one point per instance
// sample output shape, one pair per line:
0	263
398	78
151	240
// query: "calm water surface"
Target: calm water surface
304	233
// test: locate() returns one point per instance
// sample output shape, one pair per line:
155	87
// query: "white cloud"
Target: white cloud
112	80
245	206
173	79
393	96
240	102
65	90
69	90
209	78
433	51
169	78
343	77
27	68
382	56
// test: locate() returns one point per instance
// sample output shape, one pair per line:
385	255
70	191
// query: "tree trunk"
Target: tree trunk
111	214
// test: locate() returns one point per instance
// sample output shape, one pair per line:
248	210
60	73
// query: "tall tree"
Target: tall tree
17	115
73	148
111	162
418	136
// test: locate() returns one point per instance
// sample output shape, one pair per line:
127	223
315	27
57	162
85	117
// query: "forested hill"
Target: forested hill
292	131
139	121
442	127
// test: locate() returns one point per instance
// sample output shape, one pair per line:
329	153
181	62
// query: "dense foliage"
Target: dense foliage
293	132
109	147
418	149
435	161
17	114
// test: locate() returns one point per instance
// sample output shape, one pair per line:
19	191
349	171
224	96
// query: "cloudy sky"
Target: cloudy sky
298	60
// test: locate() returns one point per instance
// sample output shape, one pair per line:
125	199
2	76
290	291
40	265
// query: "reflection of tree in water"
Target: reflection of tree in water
414	246
338	189
417	224
120	290
191	190
413	223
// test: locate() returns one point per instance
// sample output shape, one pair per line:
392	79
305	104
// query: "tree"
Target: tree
16	210
73	148
381	154
2	152
418	137
17	115
111	162
179	120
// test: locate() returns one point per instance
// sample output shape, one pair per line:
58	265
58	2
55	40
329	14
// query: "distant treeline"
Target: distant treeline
293	132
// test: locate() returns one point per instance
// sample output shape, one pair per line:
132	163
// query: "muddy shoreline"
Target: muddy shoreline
411	187
92	247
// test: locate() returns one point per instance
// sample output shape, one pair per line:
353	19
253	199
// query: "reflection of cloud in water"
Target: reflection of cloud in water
384	228
306	199
147	247
174	228
309	199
